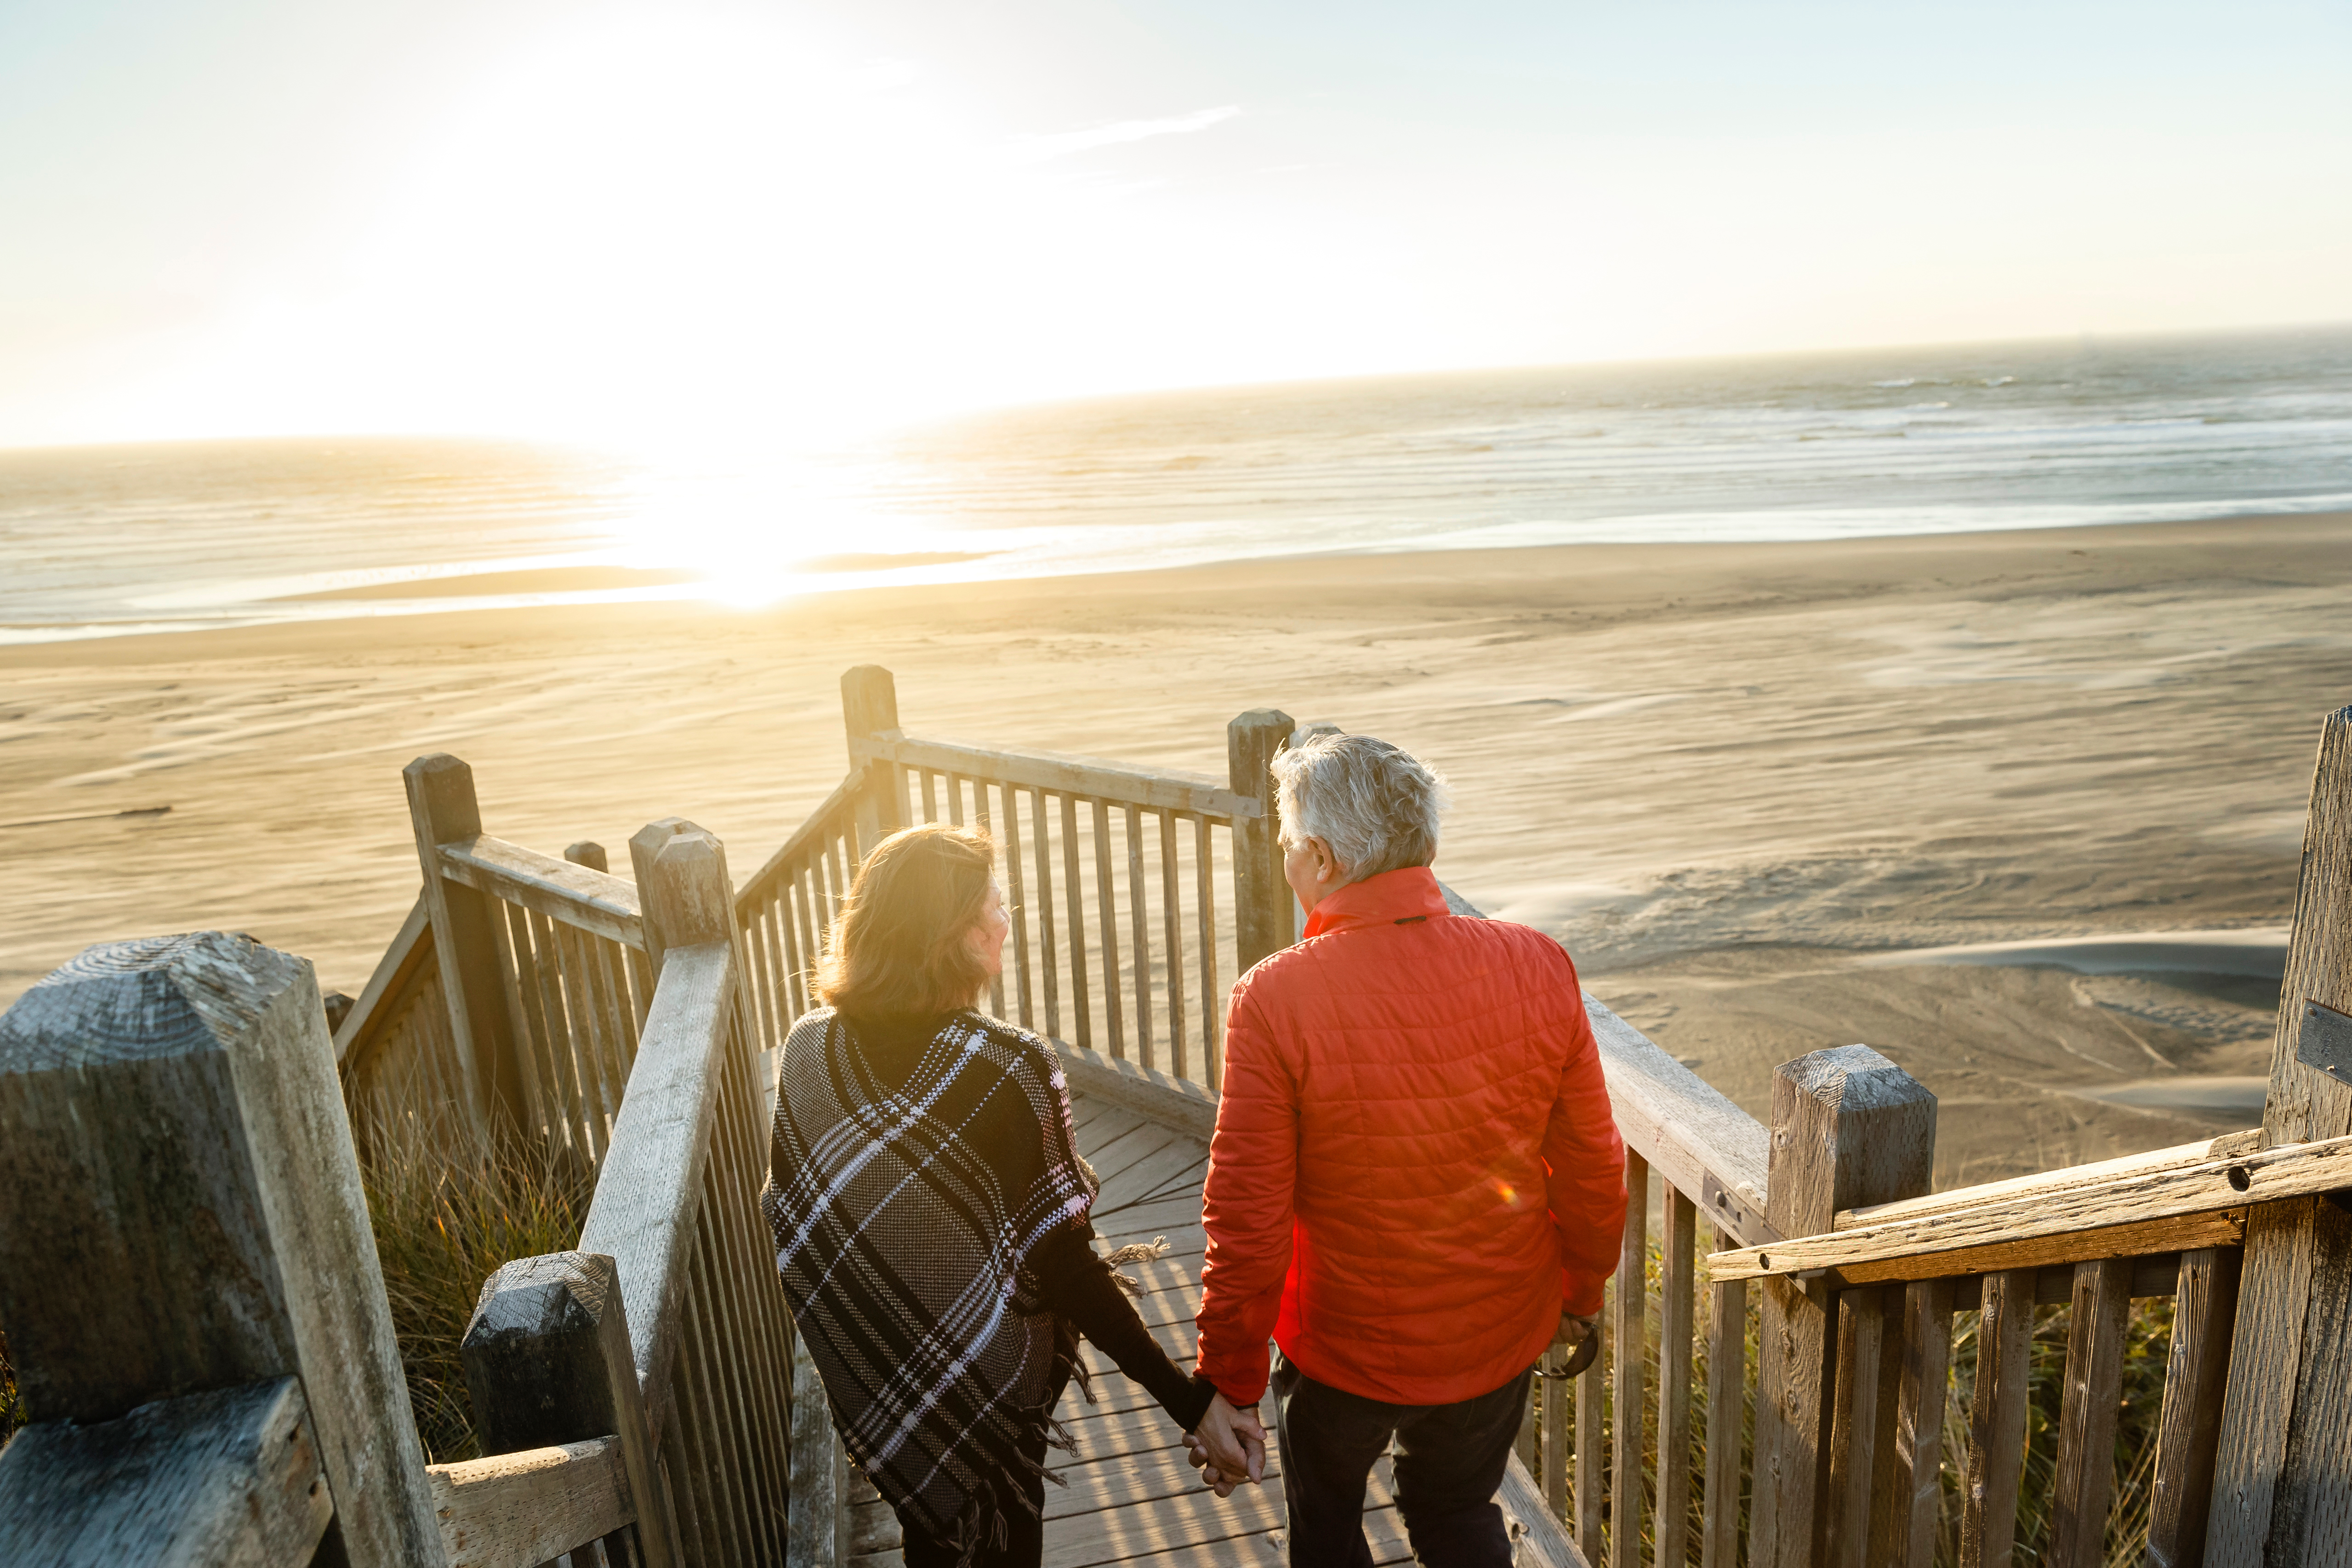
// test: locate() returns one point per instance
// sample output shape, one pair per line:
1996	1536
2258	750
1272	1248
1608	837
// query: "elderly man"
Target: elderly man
1415	1185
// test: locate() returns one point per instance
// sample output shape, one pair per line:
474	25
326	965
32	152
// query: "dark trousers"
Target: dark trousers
1449	1464
1024	1543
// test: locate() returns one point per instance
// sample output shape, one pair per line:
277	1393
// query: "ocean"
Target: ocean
110	541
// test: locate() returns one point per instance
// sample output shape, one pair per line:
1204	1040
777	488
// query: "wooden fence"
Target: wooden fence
1122	941
638	1390
1818	1236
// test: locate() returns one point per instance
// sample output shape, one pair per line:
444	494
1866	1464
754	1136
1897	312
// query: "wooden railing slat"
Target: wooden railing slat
1674	1308
1628	1346
588	1038
734	1268
1997	1422
1726	1399
689	1430
1865	1352
1018	904
546	975
1107	919
762	1292
1171	916
1049	955
2188	1427
1139	917
984	819
510	940
1904	1530
2087	1416
1590	1391
707	1370
1204	893
1074	895
1556	1440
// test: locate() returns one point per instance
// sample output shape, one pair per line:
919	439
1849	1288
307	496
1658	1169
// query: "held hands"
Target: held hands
1580	1337
1227	1448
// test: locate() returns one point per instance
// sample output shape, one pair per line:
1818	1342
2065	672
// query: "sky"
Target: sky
665	226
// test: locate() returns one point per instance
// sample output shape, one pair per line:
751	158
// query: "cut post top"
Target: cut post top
870	702
1251	742
1848	1127
143	999
441	797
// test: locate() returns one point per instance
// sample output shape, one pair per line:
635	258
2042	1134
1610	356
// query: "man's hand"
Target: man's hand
1574	1331
1227	1448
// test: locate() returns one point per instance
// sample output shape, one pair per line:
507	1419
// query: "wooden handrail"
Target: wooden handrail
811	831
2228	1145
576	895
519	1509
1711	1151
1090	777
410	945
2152	1193
650	1188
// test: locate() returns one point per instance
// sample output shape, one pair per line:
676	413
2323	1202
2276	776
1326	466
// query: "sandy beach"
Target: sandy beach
1741	781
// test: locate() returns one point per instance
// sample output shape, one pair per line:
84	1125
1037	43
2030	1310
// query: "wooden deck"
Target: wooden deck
1131	1497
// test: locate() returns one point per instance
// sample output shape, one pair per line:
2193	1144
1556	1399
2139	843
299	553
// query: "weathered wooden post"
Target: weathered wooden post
869	705
2284	1468
1848	1127
181	1220
443	809
548	1360
589	853
645	850
1263	910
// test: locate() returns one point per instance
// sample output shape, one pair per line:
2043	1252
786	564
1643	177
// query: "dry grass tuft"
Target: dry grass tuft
447	1211
12	1407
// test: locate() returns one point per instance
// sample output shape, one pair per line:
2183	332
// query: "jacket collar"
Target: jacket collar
1387	898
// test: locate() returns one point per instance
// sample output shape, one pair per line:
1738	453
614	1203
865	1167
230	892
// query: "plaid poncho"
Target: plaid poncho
903	1218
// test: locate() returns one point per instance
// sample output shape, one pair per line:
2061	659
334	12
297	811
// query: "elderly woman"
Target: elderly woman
1415	1185
930	1211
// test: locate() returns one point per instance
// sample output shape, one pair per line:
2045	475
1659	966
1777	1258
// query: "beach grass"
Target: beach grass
446	1213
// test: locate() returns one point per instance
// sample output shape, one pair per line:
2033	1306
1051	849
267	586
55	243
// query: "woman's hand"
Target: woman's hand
1227	1448
1575	1330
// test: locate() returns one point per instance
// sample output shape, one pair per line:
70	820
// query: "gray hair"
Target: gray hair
1375	804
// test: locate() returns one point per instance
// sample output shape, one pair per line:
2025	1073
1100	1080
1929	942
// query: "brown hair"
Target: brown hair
898	945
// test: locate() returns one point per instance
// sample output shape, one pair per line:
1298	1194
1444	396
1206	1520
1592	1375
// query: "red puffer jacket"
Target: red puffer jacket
1415	1170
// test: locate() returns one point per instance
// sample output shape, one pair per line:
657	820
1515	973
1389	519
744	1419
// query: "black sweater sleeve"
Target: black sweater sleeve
1077	1282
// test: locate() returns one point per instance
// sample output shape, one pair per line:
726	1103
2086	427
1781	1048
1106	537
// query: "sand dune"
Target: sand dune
1727	776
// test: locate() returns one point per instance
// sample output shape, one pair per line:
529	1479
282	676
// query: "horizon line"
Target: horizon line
612	449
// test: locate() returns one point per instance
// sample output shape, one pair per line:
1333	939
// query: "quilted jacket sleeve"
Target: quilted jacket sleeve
1247	1207
1584	1161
